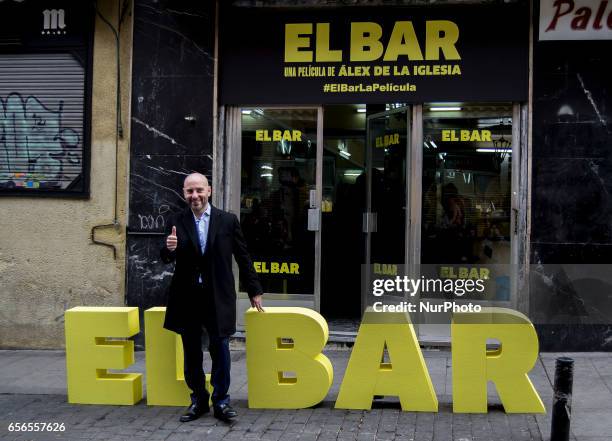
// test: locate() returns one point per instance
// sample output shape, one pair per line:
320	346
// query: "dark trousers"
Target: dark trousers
218	347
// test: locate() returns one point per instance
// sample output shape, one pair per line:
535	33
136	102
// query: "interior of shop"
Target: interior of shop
465	202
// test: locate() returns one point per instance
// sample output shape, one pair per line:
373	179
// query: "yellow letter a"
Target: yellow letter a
507	367
405	376
285	367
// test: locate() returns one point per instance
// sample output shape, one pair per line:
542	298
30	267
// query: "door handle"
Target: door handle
516	219
312	198
314	219
370	222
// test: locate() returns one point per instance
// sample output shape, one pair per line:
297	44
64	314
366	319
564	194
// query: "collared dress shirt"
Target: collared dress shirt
202	228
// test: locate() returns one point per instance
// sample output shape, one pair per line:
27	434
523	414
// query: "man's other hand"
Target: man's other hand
256	302
171	240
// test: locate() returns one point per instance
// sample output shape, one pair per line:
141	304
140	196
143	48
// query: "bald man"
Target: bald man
201	240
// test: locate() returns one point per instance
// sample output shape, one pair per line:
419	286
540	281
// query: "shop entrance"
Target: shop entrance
276	188
322	197
330	197
364	204
387	210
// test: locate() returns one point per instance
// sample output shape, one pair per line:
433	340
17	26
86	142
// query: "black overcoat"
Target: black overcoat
185	307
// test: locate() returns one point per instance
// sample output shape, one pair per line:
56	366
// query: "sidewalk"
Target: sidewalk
33	389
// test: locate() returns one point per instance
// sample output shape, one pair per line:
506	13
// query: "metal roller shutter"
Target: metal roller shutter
42	120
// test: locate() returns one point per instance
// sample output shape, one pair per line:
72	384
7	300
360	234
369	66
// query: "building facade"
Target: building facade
352	141
65	82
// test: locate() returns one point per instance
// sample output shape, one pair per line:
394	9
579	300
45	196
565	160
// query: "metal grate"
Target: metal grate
41	121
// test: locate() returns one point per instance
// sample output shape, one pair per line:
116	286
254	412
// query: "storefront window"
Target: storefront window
467	167
278	170
466	201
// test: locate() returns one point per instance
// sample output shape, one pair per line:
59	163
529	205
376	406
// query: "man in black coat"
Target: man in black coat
202	240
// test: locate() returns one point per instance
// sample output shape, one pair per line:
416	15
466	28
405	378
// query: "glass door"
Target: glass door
387	201
469	155
280	199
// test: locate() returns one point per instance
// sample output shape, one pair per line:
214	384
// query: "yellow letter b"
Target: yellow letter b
285	367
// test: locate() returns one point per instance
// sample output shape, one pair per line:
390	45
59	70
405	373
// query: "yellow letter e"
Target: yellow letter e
89	354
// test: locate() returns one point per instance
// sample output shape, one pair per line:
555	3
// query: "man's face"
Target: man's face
196	192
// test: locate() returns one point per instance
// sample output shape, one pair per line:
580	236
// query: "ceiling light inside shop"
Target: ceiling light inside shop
394	106
342	149
253	113
266	175
565	110
266	167
361	110
493	150
445	109
488	122
352	173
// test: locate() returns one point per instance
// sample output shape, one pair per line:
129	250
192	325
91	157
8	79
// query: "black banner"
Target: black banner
374	55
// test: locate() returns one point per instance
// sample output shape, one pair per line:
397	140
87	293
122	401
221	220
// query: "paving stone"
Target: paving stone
423	436
290	436
271	435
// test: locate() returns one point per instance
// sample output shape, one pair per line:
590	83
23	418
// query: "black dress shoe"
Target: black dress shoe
194	412
224	412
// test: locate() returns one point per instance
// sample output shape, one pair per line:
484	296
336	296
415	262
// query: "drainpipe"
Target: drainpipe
122	10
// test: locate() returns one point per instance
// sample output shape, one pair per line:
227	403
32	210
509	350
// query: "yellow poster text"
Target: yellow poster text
462	272
310	42
387	140
387	269
277	267
466	135
310	70
278	135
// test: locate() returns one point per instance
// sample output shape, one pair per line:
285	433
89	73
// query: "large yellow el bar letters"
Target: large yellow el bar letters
286	368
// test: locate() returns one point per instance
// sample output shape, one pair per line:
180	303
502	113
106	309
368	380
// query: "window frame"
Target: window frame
87	49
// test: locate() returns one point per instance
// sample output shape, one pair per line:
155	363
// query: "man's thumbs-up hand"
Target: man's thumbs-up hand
171	240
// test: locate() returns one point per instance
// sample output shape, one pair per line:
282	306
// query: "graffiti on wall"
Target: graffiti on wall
154	221
36	151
